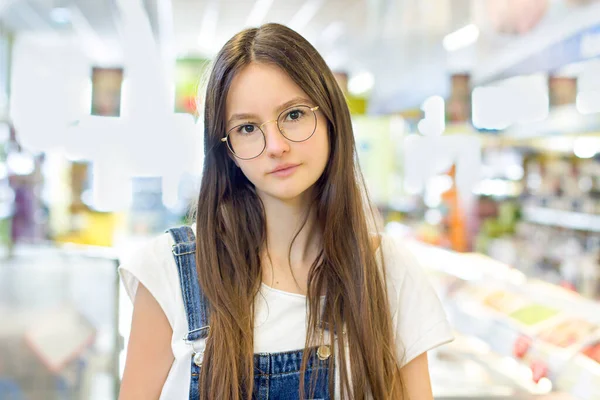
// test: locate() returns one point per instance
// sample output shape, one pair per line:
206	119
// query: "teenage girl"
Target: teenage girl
282	288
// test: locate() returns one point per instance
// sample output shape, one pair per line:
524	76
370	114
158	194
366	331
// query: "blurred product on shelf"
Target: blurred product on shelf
551	229
533	314
504	302
536	337
454	220
7	195
593	351
23	216
560	236
568	332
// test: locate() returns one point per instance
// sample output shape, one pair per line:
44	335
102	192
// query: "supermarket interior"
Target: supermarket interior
477	128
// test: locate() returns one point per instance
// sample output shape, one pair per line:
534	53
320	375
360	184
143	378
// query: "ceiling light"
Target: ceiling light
60	15
586	147
361	83
463	37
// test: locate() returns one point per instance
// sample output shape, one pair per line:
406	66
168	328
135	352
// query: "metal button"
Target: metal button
198	358
324	352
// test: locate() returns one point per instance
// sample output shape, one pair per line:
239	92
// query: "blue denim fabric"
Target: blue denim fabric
276	375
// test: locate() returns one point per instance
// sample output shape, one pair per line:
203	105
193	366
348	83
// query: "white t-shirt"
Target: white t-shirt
281	321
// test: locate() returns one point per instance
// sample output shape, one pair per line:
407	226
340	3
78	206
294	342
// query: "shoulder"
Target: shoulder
419	317
151	263
154	250
400	262
406	275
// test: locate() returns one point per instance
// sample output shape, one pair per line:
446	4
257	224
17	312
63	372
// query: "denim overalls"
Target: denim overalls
276	375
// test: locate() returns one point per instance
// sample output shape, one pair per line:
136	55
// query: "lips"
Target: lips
283	168
283	171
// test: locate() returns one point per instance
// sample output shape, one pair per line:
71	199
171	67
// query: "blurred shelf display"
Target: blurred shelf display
562	219
540	337
563	183
553	230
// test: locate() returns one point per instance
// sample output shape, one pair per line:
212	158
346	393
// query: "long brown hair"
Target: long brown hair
231	232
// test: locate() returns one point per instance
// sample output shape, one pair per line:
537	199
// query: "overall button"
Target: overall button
324	352
198	358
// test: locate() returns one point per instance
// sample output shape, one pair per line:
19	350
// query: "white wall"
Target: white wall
50	106
50	88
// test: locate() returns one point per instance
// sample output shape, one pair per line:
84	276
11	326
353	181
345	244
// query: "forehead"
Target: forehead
259	89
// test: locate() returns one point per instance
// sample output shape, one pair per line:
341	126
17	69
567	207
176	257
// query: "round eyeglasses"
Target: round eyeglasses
296	124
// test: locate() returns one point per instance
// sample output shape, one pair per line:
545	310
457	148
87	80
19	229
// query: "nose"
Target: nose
277	145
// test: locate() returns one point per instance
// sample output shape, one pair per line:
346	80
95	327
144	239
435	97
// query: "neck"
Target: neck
284	219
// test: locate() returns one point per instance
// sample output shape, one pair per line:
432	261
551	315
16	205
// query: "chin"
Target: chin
286	193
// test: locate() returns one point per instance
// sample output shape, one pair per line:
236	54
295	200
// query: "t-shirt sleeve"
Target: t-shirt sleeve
421	322
152	265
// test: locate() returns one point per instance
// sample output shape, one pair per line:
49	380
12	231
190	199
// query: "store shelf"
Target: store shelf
498	312
562	219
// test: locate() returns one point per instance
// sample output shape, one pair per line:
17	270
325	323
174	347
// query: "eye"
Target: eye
246	129
294	115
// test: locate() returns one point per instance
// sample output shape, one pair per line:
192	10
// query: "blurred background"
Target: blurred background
478	129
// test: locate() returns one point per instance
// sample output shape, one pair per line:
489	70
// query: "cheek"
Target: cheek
249	170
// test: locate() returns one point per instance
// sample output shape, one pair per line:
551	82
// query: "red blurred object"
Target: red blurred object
190	104
568	285
593	352
521	346
539	370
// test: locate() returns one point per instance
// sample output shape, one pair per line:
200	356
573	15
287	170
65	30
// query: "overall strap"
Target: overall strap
196	304
194	301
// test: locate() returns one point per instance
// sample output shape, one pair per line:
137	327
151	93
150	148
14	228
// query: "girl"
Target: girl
281	289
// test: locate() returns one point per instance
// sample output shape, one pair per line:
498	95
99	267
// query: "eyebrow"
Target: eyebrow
246	116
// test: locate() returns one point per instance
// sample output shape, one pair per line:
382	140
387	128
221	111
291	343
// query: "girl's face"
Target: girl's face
286	169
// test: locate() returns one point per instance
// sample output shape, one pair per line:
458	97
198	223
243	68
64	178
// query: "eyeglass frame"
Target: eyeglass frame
230	147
